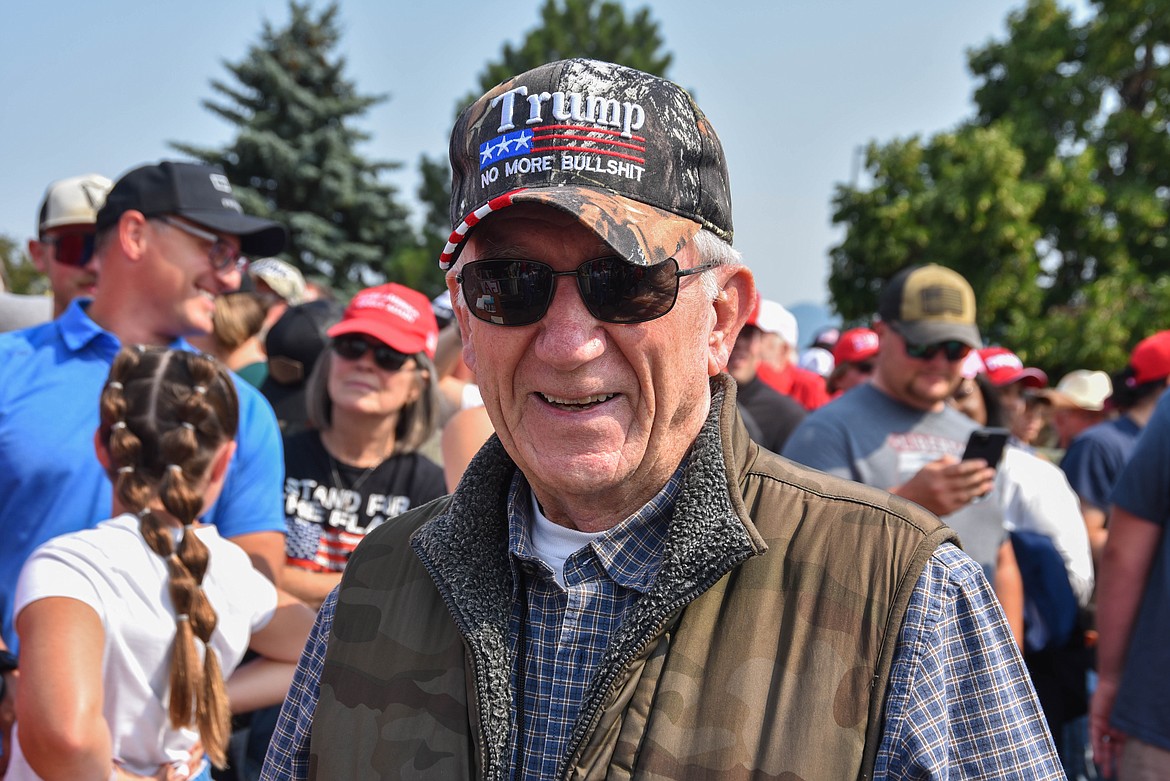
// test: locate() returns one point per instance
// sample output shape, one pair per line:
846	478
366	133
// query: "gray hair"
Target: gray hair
712	249
417	420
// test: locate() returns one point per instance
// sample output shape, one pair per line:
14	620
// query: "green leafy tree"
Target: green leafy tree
1057	210
601	30
296	159
19	274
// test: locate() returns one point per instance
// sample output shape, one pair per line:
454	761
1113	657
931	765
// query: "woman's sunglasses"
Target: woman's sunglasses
515	292
351	348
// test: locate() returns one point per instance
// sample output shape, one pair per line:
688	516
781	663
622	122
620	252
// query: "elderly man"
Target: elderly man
623	584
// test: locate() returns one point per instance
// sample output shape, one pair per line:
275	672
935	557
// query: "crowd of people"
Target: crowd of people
616	524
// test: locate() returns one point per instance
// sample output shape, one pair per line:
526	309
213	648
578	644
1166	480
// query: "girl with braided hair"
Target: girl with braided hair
128	629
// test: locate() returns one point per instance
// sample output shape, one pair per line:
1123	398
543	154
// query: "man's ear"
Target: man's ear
732	307
36	253
463	317
132	234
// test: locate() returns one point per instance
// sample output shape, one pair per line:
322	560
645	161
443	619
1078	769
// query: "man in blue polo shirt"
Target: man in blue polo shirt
169	240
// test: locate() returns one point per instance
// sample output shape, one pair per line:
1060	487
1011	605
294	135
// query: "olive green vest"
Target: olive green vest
761	651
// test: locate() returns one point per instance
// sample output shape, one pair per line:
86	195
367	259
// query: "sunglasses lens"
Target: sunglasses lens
351	348
616	291
73	249
389	359
953	350
507	292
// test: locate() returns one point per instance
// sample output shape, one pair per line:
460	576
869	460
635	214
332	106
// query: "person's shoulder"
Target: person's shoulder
27	340
807	487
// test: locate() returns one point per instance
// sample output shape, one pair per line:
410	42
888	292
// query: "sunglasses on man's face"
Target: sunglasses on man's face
514	292
351	348
952	349
71	249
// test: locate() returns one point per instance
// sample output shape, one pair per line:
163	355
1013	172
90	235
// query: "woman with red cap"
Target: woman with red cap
372	402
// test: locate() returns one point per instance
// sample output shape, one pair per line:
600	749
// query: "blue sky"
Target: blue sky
795	88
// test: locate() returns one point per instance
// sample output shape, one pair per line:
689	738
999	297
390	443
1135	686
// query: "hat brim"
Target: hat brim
641	234
258	237
1060	399
1030	378
920	332
408	344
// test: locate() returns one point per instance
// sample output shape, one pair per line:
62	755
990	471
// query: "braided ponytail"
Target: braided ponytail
165	415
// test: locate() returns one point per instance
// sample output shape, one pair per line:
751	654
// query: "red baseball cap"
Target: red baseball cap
856	344
1150	360
1005	367
393	314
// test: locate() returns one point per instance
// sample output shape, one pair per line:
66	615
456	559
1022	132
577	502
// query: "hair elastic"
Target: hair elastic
182	617
200	389
120	424
125	470
175	468
115	384
188	425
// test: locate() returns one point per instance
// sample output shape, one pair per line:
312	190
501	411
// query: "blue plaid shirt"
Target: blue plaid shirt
568	630
959	703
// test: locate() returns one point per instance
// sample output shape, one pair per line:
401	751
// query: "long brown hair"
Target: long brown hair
164	415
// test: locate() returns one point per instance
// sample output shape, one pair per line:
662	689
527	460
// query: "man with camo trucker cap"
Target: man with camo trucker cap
624	585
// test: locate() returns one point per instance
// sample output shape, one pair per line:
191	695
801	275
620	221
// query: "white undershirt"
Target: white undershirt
553	543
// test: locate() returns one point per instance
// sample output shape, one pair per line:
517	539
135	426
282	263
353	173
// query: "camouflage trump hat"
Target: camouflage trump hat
628	154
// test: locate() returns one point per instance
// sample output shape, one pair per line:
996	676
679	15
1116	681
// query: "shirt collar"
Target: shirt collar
79	331
629	553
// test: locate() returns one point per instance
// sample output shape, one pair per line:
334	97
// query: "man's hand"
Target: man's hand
1107	742
947	485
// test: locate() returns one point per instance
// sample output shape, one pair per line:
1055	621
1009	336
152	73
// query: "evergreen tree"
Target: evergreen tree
1054	199
600	30
295	157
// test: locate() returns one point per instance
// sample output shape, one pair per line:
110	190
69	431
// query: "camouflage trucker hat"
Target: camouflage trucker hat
628	154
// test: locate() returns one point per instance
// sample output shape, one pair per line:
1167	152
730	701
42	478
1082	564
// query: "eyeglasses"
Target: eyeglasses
351	348
514	292
865	367
223	255
71	249
954	350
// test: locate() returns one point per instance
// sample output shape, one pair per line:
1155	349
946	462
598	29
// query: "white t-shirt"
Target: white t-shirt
1038	498
111	569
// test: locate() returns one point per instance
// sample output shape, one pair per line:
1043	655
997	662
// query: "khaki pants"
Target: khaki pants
1143	762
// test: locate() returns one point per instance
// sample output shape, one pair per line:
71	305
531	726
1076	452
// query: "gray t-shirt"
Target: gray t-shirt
866	436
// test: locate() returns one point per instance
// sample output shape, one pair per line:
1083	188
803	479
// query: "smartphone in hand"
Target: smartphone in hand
988	444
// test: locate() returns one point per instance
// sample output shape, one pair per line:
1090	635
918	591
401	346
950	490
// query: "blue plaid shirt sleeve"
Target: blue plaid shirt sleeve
288	753
960	704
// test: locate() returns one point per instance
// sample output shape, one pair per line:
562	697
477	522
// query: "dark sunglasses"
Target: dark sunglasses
351	348
71	249
515	292
952	349
865	367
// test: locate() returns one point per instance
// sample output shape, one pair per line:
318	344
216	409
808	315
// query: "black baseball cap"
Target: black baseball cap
628	154
297	339
199	193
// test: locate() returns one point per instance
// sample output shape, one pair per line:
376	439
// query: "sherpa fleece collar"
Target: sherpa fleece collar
465	552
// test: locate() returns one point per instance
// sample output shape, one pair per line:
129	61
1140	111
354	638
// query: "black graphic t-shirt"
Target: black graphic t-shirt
329	505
